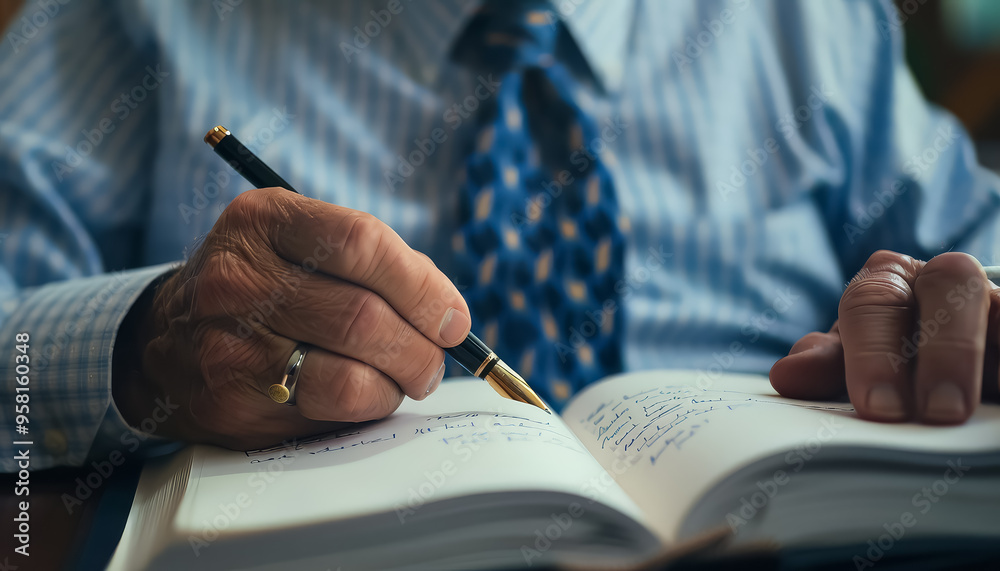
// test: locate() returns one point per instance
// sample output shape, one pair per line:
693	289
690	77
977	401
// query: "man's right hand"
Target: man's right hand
277	269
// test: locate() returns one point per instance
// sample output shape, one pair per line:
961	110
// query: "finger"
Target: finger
348	320
262	290
953	298
876	313
333	387
813	369
330	388
359	248
231	407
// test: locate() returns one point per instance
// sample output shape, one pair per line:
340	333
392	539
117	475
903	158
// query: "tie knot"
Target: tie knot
509	34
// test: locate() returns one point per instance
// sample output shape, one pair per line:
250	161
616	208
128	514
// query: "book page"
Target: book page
464	439
667	439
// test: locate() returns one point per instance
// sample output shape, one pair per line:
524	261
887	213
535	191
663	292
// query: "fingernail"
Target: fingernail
436	381
945	403
454	326
884	402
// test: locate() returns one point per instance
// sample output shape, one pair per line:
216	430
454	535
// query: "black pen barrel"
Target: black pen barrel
243	161
471	354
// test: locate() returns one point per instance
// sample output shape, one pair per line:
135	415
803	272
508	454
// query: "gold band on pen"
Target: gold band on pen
491	360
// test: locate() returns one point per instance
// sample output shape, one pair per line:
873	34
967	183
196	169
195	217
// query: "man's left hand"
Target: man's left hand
915	341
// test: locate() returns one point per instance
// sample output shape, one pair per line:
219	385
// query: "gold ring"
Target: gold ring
284	391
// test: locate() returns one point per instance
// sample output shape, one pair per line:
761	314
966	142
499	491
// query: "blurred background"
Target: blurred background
953	47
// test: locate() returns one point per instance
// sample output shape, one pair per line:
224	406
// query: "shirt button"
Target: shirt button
55	441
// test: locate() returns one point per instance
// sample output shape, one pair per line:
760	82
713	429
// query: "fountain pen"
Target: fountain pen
472	354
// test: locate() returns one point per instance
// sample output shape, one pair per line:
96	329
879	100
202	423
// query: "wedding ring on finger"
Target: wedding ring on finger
284	391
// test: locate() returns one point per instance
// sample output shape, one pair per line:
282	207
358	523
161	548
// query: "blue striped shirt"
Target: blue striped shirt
762	150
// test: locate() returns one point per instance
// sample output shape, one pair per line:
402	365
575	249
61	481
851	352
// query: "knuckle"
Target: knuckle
361	236
230	283
372	396
252	205
888	260
883	289
220	275
431	362
353	397
365	395
321	386
224	356
395	356
418	370
887	279
434	361
426	259
248	220
365	326
360	393
215	351
425	291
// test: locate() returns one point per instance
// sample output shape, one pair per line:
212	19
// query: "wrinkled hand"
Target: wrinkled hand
915	341
279	268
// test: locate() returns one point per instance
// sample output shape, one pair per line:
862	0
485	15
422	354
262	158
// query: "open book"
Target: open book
635	464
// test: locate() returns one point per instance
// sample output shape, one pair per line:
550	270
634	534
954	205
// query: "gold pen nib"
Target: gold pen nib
505	381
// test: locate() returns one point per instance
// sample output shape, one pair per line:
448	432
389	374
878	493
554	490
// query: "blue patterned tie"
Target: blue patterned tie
540	245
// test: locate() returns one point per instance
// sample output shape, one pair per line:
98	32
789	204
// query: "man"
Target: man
747	157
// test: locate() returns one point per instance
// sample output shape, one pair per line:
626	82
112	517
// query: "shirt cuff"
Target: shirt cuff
71	328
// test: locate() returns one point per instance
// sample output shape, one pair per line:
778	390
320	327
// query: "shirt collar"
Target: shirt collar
600	29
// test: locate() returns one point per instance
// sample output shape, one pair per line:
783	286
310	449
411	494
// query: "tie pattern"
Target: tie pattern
540	246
